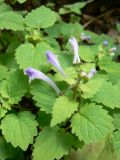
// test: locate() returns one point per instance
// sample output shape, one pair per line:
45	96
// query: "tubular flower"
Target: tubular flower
91	73
74	45
54	61
36	74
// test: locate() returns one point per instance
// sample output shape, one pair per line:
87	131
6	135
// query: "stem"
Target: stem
75	88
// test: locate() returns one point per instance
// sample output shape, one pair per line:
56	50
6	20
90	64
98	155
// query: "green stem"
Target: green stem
75	88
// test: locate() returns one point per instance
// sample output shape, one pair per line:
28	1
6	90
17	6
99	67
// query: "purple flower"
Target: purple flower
36	74
105	43
91	73
54	61
74	45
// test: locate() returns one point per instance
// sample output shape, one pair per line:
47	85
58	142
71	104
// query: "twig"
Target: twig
96	18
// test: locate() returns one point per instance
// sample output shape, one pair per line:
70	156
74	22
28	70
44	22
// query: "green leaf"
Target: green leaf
11	90
43	119
116	142
41	18
92	123
8	60
21	1
66	59
63	11
106	64
1	1
76	7
86	53
6	150
19	129
86	67
55	30
3	111
114	77
90	88
14	42
44	95
71	29
52	144
98	39
105	95
71	75
3	72
117	120
27	55
111	68
63	108
4	8
53	42
11	20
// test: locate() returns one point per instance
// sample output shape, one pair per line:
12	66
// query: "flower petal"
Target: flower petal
54	61
36	74
91	73
74	46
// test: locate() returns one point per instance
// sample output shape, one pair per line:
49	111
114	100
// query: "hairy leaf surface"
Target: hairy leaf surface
52	144
11	20
92	123
63	108
19	129
41	18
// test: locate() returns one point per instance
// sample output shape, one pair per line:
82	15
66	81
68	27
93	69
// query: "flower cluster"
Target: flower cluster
52	58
